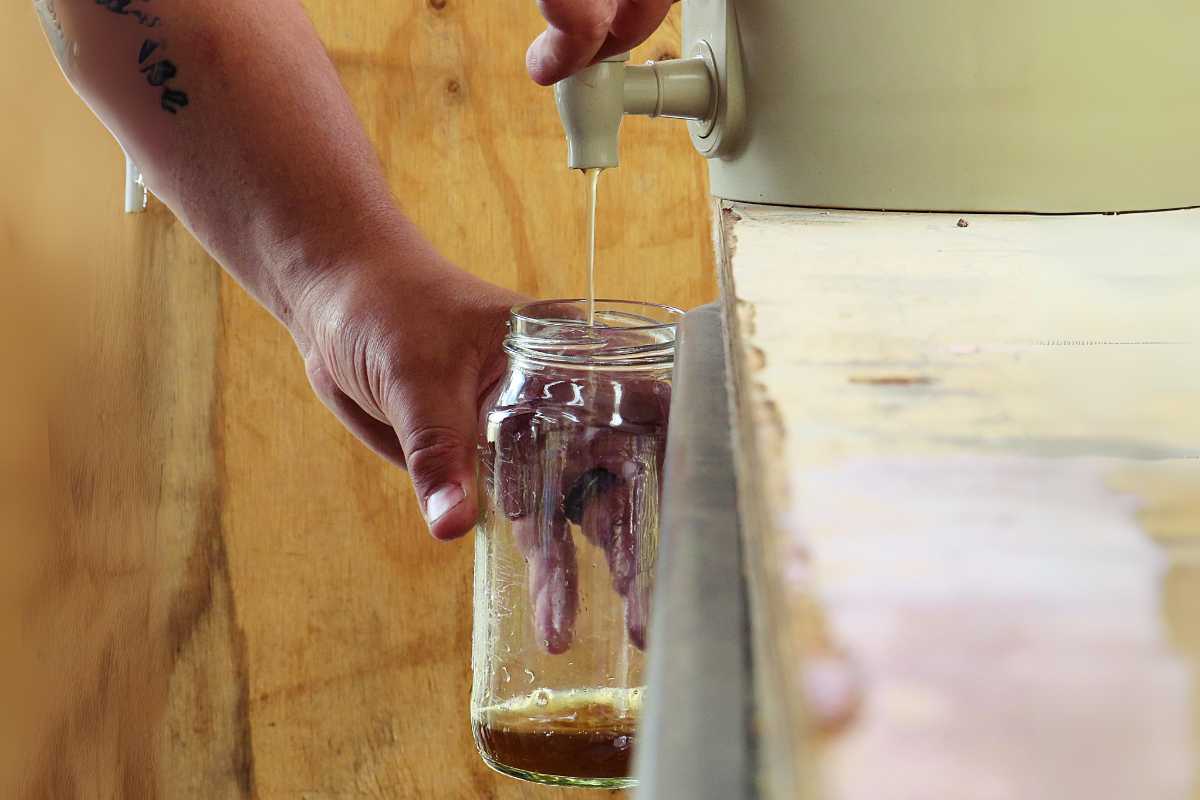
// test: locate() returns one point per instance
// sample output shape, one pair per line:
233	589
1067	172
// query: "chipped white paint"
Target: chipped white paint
968	455
54	33
1032	327
136	196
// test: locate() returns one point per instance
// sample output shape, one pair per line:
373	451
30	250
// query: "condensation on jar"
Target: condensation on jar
571	468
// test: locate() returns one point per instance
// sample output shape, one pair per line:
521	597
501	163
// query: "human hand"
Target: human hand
403	355
556	461
581	32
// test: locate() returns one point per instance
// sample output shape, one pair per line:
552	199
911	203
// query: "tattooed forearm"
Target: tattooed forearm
158	71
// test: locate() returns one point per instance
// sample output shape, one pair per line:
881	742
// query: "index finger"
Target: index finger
577	29
580	17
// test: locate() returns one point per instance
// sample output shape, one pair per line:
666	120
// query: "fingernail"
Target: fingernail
442	501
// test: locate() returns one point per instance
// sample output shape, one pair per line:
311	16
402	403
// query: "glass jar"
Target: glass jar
571	474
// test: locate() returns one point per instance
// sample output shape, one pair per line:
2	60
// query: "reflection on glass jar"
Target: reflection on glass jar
571	468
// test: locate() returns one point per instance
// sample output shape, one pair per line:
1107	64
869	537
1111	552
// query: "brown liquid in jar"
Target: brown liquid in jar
584	735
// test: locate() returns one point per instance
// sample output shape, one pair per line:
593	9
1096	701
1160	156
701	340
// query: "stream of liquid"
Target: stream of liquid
593	178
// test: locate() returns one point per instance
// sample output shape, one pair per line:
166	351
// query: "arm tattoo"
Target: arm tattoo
123	7
157	70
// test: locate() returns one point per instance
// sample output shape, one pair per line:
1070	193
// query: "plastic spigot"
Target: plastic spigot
593	102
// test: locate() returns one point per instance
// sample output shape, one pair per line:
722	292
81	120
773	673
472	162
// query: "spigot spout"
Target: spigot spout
593	102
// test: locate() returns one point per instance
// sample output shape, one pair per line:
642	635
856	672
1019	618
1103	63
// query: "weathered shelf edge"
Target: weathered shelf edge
780	752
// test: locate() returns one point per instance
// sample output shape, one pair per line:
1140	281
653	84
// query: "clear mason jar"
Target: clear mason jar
571	471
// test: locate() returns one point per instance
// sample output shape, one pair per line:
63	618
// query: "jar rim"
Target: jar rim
628	334
526	311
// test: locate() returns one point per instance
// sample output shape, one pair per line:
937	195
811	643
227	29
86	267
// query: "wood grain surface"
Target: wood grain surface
209	588
969	465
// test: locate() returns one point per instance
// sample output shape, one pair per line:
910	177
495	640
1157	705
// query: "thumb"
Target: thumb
437	434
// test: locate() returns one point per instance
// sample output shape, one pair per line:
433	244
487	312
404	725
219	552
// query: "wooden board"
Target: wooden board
210	589
969	457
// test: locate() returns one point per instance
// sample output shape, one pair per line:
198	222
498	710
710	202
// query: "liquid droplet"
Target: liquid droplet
530	675
541	698
507	677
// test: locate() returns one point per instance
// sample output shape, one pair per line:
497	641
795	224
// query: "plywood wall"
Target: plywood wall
211	590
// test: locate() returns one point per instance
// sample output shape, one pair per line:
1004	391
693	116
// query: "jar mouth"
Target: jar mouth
626	334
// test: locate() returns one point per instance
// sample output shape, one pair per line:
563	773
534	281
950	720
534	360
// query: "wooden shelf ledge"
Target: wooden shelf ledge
968	457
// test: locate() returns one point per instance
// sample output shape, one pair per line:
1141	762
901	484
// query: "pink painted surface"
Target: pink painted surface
1002	617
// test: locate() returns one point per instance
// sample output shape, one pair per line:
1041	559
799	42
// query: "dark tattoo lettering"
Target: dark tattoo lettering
148	47
173	100
157	72
122	7
160	72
